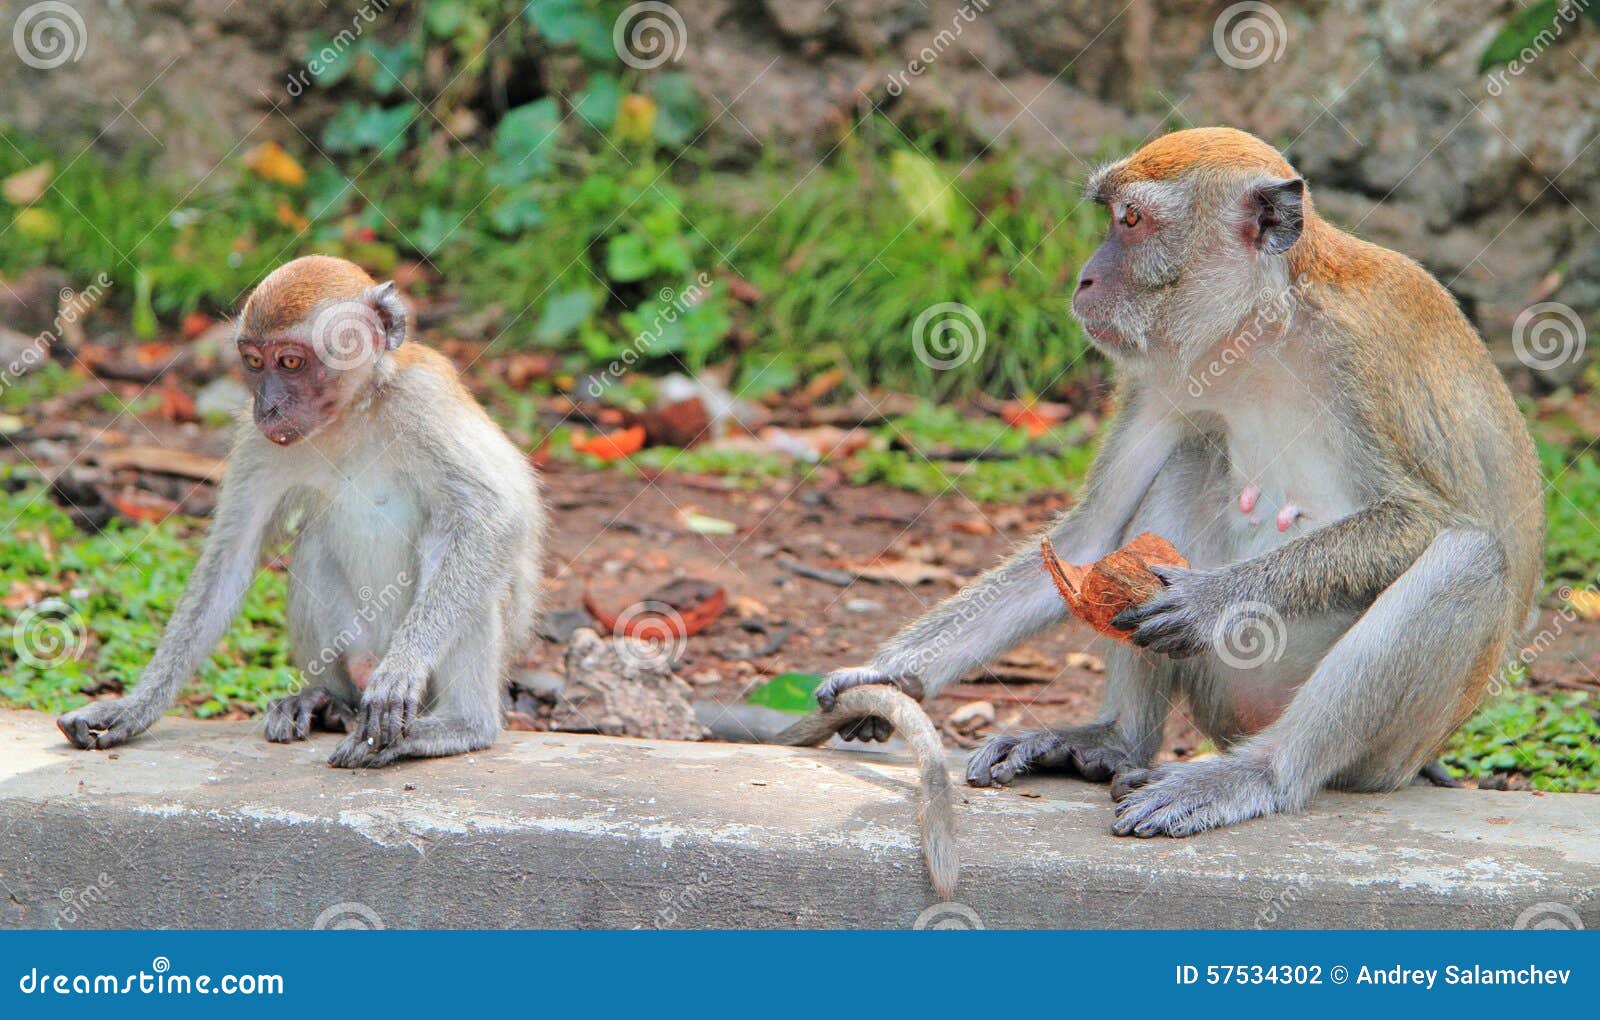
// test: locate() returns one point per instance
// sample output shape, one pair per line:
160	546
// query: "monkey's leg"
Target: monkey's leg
463	713
1375	709
1125	737
1140	686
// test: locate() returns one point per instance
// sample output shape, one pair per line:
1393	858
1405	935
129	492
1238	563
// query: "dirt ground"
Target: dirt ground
620	538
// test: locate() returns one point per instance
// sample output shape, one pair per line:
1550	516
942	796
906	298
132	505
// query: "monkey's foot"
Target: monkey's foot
1095	752
1183	798
358	752
315	708
102	724
871	727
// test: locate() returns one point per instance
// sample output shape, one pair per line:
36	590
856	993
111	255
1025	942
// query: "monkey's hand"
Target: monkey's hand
389	705
872	727
1184	617
102	724
1183	798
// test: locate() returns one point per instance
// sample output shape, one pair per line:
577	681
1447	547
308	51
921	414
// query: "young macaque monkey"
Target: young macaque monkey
1311	421
417	530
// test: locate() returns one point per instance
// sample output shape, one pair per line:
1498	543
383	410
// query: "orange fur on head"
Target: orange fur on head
1213	148
294	288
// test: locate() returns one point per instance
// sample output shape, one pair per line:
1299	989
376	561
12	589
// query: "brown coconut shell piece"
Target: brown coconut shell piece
1099	591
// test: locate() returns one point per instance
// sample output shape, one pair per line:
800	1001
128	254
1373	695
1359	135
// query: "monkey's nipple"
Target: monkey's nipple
1287	516
1247	498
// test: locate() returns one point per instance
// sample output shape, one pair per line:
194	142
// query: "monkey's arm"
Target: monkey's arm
246	507
1018	598
1343	566
463	564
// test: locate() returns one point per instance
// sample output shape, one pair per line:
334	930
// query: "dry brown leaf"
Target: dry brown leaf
26	187
271	162
1586	603
166	461
906	572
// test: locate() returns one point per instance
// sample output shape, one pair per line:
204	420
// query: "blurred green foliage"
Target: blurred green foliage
544	177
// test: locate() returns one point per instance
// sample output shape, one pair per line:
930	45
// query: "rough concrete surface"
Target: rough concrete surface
202	825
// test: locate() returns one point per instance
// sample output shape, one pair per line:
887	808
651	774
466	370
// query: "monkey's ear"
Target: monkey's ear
1277	209
385	300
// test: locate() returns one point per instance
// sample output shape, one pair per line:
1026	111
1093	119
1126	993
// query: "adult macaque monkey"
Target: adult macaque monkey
1317	428
417	532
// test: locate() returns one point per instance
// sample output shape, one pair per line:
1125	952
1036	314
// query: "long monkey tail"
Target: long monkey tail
936	808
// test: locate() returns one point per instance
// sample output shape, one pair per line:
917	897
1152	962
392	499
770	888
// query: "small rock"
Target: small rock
559	625
863	606
973	716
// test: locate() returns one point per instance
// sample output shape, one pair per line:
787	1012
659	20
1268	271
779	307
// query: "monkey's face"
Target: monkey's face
296	392
1128	278
1185	264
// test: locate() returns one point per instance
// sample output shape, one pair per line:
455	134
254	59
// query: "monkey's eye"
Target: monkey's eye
291	362
253	362
1130	216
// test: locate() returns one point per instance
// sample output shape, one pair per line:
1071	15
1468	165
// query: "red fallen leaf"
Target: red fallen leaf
177	405
1036	418
679	424
149	354
612	445
686	606
139	505
741	289
1098	592
196	323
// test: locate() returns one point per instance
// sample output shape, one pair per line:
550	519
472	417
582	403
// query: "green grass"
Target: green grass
877	234
113	595
1554	740
1572	537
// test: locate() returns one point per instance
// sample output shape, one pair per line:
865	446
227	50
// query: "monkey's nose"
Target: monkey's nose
1085	282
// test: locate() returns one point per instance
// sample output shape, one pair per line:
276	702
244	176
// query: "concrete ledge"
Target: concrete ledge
201	825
